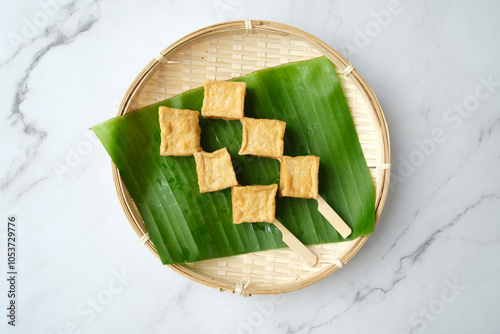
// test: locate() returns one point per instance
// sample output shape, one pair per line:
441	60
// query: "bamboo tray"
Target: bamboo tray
232	49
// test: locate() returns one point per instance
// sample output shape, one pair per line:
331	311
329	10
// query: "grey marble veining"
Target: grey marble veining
54	36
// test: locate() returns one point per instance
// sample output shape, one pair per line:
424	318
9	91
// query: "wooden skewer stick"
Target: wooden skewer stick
333	218
296	245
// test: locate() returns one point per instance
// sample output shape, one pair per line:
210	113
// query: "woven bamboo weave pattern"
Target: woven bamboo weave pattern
227	51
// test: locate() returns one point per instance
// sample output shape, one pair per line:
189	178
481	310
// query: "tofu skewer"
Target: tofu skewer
253	204
299	178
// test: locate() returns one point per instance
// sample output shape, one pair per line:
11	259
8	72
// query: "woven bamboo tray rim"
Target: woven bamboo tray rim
359	96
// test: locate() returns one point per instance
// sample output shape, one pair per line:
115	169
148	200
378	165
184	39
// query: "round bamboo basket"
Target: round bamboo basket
232	49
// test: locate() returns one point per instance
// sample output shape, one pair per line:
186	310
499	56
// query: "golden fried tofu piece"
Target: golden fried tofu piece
299	176
180	131
262	137
254	204
224	99
215	170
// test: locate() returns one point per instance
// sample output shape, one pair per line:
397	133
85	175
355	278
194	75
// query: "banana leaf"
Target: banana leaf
187	226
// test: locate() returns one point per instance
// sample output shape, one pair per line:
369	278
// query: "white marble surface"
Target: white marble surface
64	66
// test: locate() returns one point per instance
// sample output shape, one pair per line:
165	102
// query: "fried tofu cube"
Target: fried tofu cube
254	204
180	131
224	99
299	176
215	170
262	137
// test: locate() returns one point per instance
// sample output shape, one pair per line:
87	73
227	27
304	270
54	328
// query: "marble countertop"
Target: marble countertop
430	265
